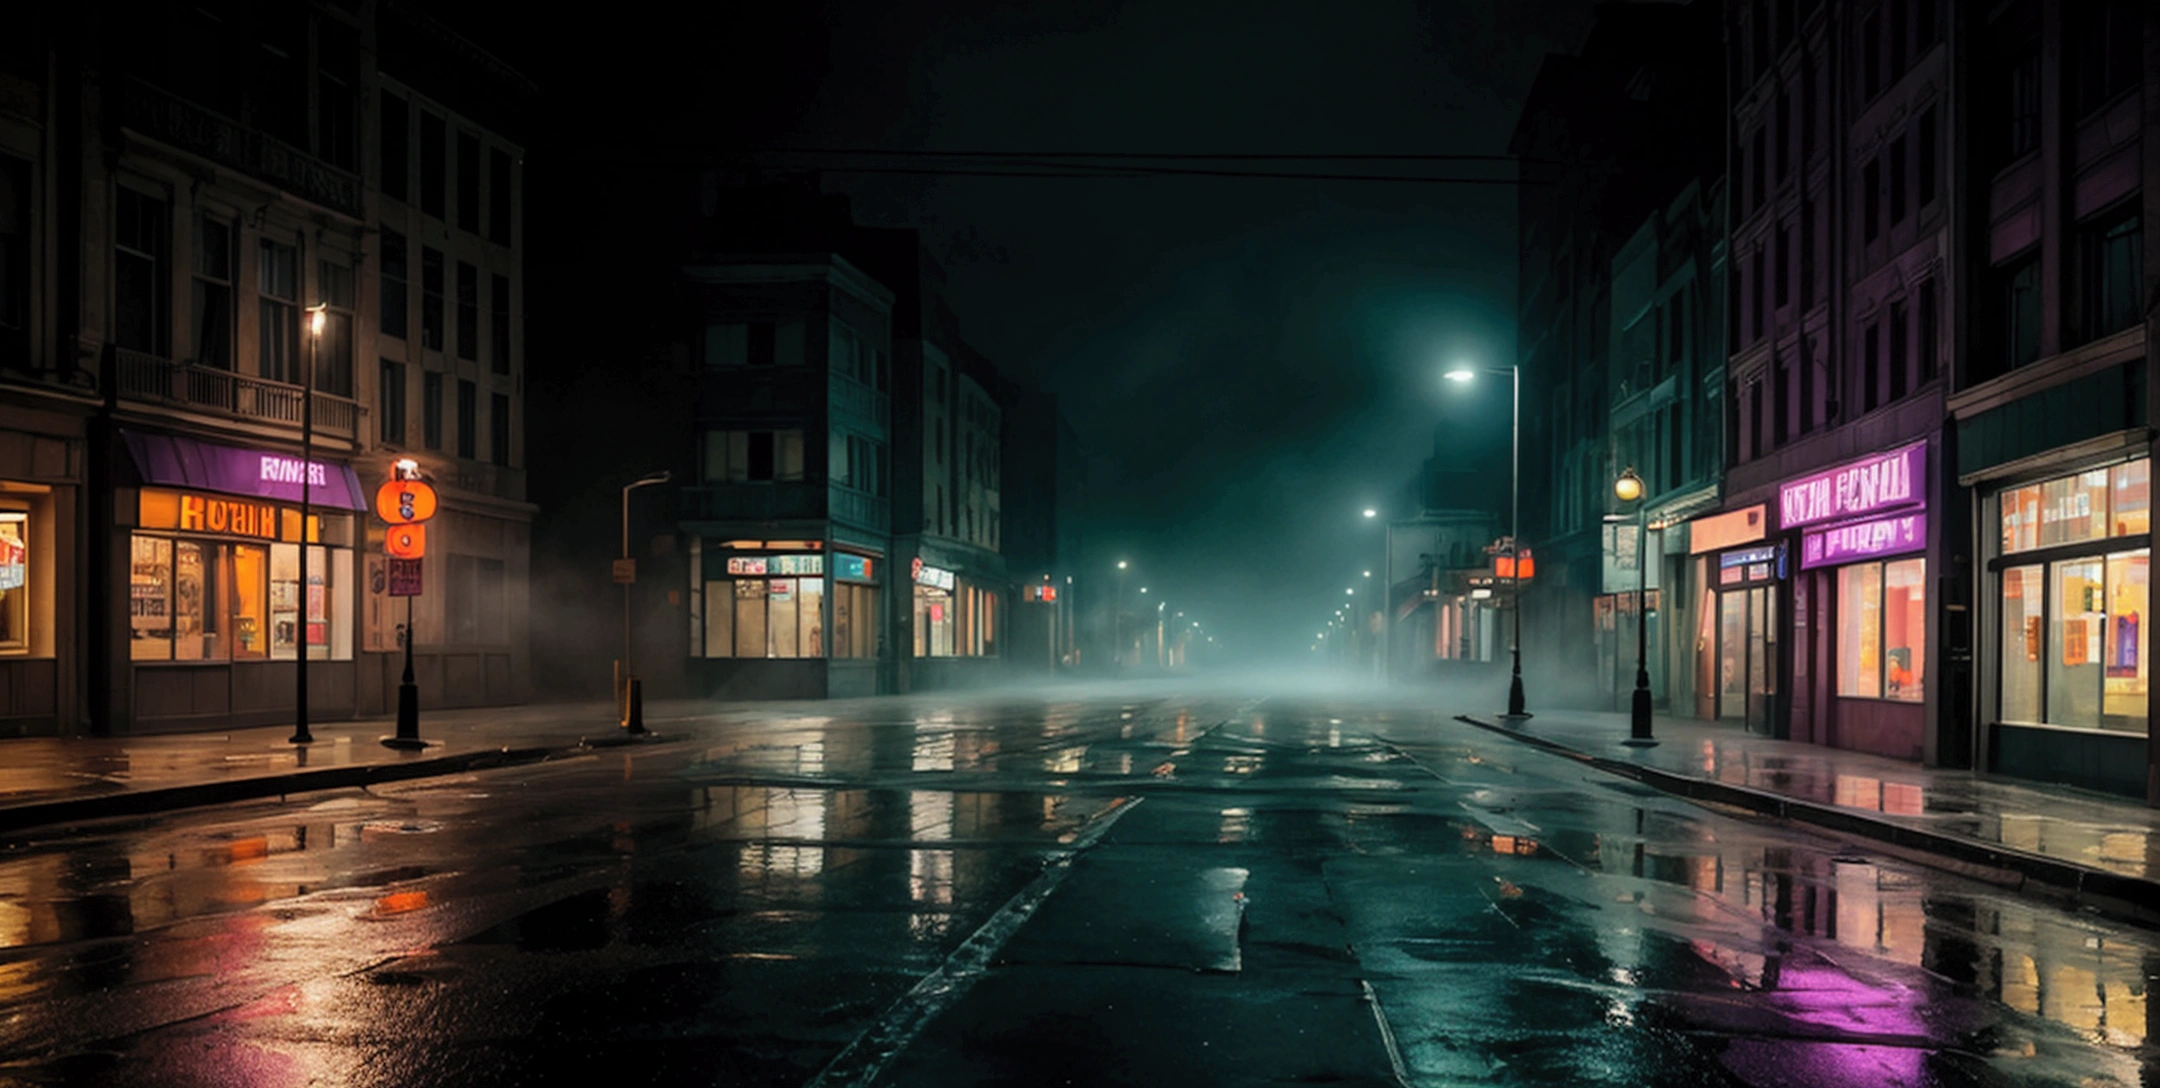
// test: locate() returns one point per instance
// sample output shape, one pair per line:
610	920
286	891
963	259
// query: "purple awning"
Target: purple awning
170	461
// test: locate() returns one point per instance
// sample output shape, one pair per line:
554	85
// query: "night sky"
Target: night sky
1248	361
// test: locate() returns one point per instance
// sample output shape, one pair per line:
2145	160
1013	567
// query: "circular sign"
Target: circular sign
405	541
915	571
404	502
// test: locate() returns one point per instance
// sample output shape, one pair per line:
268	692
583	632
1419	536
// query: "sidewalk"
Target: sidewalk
45	780
2087	848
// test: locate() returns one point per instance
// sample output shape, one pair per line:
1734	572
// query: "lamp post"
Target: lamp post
1629	488
633	720
408	693
317	314
1117	621
1515	704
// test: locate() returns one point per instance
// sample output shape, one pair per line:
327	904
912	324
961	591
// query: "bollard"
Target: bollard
634	706
408	697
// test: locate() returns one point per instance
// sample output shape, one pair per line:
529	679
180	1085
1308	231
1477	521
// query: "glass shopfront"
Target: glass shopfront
15	561
215	578
2073	584
954	616
1747	636
770	606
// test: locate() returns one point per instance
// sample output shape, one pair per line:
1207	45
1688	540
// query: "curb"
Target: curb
2127	898
14	818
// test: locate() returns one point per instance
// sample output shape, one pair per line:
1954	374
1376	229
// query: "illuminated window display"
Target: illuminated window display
752	616
1882	630
2071	647
198	593
14	582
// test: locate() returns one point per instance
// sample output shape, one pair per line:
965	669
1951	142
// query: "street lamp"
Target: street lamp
633	697
1460	374
1371	513
1117	620
317	315
1629	488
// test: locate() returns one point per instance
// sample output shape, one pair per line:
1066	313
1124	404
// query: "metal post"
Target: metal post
633	710
1117	625
1639	712
1387	602
301	735
1515	704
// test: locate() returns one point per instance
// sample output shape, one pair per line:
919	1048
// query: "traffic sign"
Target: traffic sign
404	577
625	571
405	541
404	502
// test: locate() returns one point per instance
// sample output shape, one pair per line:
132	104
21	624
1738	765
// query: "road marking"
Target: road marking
1387	1034
886	1038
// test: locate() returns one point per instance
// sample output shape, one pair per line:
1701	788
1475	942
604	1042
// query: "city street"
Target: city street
1144	886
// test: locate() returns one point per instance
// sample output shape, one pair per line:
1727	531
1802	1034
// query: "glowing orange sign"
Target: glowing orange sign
405	541
404	502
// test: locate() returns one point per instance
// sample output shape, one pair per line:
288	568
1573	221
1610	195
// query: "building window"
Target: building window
468	420
334	353
499	192
394	276
1871	44
1870	367
337	70
2020	111
396	147
278	320
1781	370
139	280
1924	136
1871	200
1759	167
2109	254
1783	274
476	606
431	298
1882	630
2021	309
765	617
431	386
761	343
15	561
434	150
213	310
1897	181
392	396
468	311
468	182
499	428
1930	345
855	357
1783	134
14	261
1758	285
1900	349
753	456
1807	254
1898	59
2106	39
499	325
2072	644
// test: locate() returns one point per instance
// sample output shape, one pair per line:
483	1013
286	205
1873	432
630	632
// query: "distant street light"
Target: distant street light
1371	513
1462	373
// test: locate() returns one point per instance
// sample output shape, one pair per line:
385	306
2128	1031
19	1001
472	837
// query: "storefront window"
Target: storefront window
855	620
935	623
1882	630
2123	691
207	600
2094	505
14	582
2130	501
2023	617
765	618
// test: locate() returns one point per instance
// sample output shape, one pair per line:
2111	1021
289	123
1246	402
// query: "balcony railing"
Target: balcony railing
850	397
183	124
870	512
141	376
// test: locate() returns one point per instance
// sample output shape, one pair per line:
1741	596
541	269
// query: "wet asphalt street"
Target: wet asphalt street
1198	890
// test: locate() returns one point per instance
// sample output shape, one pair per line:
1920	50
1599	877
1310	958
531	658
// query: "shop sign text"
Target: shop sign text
1865	540
1863	487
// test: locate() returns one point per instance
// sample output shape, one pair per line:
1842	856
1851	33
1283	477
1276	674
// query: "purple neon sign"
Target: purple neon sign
172	461
1881	482
1864	540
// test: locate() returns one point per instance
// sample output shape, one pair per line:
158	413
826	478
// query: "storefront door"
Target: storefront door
1747	657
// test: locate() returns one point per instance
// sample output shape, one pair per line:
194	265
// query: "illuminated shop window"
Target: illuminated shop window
14	582
1882	630
2071	646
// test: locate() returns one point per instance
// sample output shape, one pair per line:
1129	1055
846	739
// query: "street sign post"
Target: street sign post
403	577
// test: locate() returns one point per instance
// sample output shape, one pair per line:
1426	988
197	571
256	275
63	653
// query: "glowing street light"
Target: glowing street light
1630	488
1371	513
1461	374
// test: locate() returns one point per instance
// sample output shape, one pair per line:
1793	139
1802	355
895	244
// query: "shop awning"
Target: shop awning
171	461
